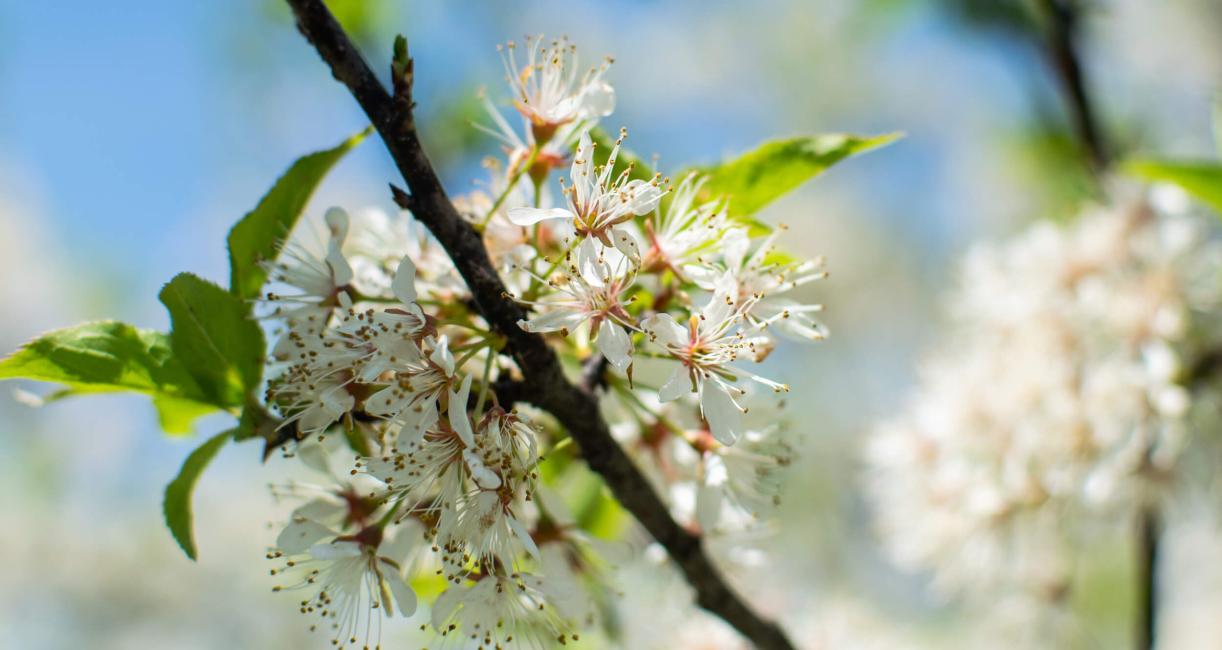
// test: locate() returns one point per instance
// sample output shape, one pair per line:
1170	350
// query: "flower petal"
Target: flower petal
335	550
725	420
532	216
300	535
678	384
597	100
405	598
441	355
404	284
615	344
524	536
459	419
664	329
645	196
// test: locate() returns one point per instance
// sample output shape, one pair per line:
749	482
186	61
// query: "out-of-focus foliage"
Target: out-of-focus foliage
1201	179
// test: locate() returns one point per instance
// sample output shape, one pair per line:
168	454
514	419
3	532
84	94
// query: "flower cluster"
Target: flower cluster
1061	396
380	351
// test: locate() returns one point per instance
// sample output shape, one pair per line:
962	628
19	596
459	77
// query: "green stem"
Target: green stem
635	400
513	181
483	387
531	293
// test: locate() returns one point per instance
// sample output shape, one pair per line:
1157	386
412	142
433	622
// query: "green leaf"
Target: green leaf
176	414
105	356
259	236
1203	180
216	339
177	504
759	177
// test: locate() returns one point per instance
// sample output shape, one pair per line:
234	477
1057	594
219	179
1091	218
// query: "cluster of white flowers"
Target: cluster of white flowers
1058	402
380	352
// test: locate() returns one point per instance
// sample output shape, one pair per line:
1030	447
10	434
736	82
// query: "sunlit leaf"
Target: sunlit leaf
104	356
176	415
260	235
215	338
1202	180
763	175
177	504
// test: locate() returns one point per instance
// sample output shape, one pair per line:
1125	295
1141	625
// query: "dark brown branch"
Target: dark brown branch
594	373
1147	578
1206	368
543	377
1063	21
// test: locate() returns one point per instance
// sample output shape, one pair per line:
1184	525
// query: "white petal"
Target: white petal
408	535
365	484
341	271
442	357
320	510
405	598
445	605
679	383
337	223
665	330
626	243
300	535
483	477
708	507
459	419
734	246
615	344
725	420
524	536
597	100
313	455
335	550
645	196
384	403
553	321
532	216
404	284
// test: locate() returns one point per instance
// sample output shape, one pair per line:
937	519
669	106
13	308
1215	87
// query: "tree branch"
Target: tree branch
1147	578
1063	16
543	377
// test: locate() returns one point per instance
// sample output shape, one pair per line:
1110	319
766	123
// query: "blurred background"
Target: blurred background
133	135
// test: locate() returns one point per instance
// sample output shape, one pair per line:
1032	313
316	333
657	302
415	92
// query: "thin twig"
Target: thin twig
1147	578
1062	40
543	375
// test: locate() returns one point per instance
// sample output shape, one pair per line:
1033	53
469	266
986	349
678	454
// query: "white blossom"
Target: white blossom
712	340
600	202
549	88
1057	404
592	289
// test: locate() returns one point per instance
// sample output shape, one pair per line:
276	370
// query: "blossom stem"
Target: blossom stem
513	182
635	400
531	293
483	387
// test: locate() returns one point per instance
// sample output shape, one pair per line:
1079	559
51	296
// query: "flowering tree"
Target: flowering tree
444	385
1072	397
